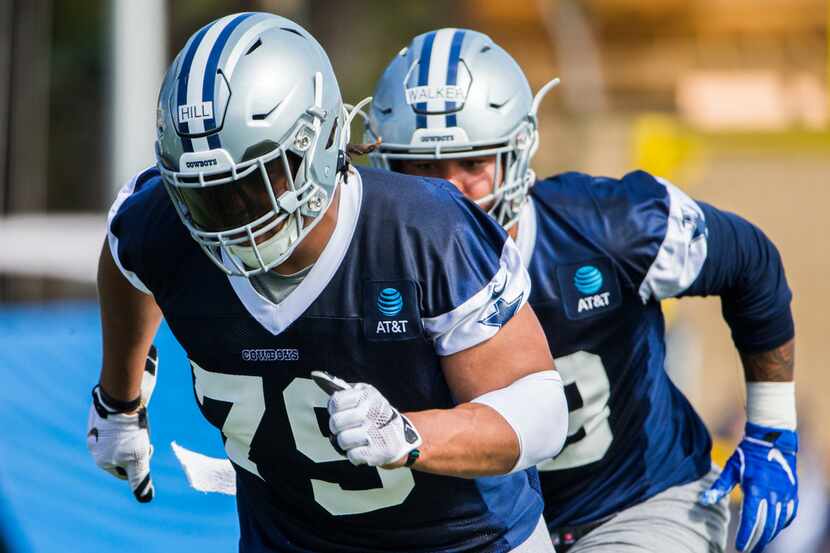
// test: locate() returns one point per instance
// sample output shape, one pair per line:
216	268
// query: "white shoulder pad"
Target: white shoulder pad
683	251
480	317
125	192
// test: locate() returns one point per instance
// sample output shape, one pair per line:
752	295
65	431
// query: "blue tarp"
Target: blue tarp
54	498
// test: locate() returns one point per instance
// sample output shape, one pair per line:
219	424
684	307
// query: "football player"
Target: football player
361	338
635	473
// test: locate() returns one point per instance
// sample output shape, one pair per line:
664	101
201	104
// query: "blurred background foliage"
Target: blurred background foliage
619	60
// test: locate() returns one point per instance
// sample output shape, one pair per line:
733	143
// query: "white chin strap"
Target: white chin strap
271	249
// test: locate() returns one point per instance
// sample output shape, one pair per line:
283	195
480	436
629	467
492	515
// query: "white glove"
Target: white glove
119	442
367	428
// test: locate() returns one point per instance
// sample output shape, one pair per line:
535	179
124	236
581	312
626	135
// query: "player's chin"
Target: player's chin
479	192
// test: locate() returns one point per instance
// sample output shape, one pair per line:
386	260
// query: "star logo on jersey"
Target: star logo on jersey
503	313
692	219
499	285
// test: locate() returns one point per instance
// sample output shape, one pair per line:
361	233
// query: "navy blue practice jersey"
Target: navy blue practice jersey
601	253
412	272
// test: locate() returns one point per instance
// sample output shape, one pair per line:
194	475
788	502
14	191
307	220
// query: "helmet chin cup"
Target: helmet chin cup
272	251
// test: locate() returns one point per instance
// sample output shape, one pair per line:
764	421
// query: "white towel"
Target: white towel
206	474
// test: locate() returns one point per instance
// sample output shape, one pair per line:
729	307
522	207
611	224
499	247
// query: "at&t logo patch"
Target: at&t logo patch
588	279
592	302
391	310
588	288
390	302
391	327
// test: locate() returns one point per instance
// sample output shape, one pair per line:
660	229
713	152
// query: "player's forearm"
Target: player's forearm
504	430
468	441
776	365
129	320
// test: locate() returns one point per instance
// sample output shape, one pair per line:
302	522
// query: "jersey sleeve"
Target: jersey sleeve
126	228
682	248
745	269
650	230
675	246
478	283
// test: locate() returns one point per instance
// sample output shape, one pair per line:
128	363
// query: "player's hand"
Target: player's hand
366	427
764	466
120	442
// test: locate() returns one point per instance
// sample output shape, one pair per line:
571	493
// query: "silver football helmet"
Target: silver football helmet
454	93
251	100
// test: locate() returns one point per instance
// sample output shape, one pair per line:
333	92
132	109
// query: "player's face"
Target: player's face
238	203
473	176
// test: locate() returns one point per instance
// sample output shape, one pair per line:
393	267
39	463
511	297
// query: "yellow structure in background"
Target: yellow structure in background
664	147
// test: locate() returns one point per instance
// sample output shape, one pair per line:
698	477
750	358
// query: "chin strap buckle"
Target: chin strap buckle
342	163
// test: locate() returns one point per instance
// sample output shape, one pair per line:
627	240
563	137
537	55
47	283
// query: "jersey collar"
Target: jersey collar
526	239
277	317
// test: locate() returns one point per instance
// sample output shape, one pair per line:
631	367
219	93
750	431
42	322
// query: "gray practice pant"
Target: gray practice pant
670	522
538	542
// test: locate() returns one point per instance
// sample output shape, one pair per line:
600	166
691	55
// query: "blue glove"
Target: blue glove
764	466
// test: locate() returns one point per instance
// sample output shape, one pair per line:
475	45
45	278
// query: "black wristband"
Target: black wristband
117	405
412	457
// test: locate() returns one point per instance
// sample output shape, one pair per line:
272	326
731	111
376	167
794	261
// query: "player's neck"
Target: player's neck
312	245
513	232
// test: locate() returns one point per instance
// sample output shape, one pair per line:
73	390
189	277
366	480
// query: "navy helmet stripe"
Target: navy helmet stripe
209	84
184	75
452	73
423	78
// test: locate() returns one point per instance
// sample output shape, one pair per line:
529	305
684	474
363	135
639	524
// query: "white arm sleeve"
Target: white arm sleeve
535	407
